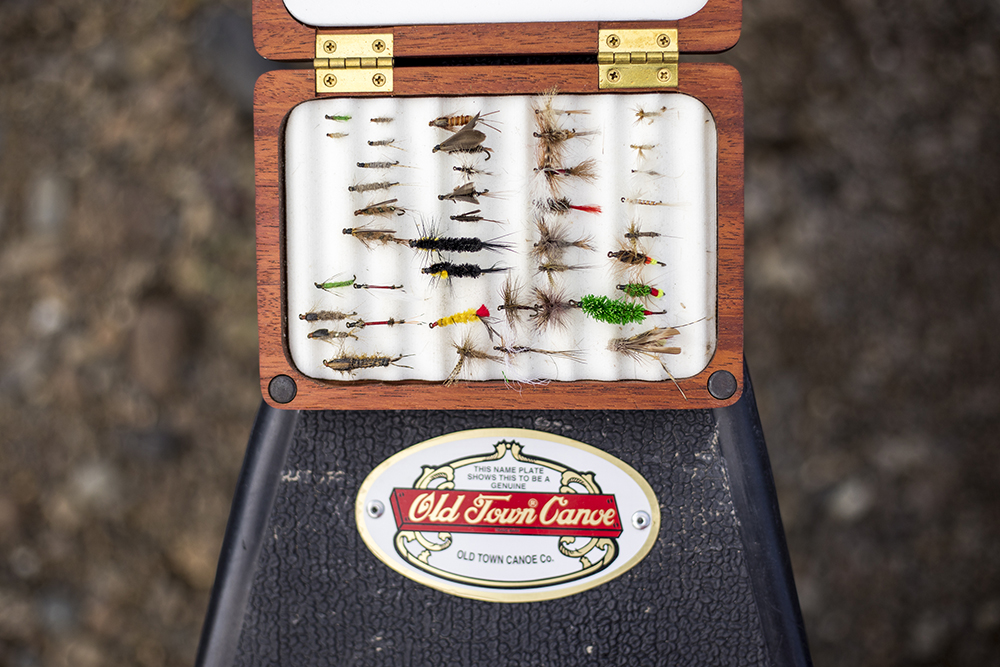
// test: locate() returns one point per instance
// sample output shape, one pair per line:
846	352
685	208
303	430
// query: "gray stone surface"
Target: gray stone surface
871	311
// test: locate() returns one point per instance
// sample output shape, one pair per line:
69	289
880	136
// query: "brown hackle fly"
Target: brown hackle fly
551	308
649	345
552	142
553	241
557	135
646	344
512	307
468	352
634	233
552	138
557	177
550	269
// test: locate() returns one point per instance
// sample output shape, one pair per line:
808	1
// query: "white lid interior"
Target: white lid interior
325	14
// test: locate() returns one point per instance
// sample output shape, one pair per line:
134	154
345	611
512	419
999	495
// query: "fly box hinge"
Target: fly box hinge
637	58
354	63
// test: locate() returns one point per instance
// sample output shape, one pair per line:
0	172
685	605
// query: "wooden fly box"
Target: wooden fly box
457	209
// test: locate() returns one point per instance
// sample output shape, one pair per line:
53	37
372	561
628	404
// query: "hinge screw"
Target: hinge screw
329	81
329	46
663	75
613	41
378	46
378	80
614	75
663	40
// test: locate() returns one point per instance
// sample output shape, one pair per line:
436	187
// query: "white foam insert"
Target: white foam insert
319	169
323	13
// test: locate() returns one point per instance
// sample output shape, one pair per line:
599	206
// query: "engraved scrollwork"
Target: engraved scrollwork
405	536
564	549
431	473
434	546
585	479
610	551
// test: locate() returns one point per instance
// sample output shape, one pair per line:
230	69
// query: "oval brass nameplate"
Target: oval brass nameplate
507	515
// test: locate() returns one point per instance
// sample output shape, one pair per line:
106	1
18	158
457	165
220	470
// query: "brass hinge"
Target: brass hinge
353	63
637	58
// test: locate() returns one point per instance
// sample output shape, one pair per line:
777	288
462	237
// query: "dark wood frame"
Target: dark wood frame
716	85
279	36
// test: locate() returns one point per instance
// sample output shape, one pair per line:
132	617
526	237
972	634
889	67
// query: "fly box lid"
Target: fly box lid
287	29
552	232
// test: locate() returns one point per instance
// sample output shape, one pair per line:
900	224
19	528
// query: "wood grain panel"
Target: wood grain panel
717	86
278	36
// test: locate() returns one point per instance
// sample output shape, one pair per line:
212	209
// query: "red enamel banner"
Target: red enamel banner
464	511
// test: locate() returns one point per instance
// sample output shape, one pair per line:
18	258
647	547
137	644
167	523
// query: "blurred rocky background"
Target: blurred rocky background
128	378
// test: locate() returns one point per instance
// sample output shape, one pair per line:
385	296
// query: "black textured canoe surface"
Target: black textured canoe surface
320	597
